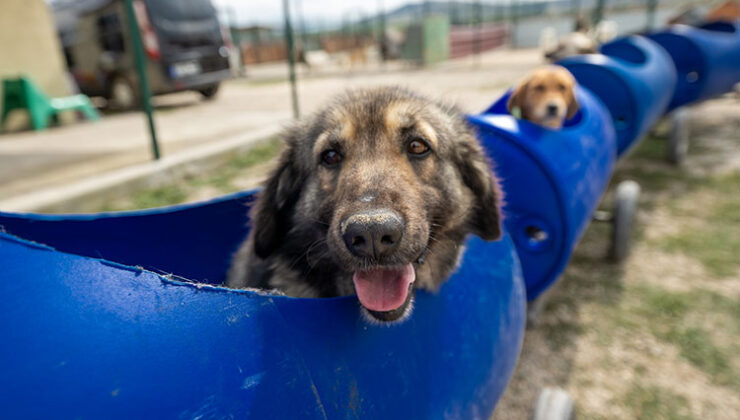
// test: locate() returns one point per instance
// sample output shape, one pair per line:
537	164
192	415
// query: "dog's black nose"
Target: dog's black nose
552	109
373	234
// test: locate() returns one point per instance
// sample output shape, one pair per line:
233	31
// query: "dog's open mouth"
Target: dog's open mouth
385	290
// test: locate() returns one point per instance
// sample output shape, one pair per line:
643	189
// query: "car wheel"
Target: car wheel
122	94
209	92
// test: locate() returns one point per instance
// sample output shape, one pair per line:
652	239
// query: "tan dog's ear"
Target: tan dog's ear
572	103
479	177
271	214
516	100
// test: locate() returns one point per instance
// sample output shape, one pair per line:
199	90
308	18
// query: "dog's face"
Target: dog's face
546	97
387	184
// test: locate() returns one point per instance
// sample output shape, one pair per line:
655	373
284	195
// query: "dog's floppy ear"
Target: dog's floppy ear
478	175
516	100
271	213
572	103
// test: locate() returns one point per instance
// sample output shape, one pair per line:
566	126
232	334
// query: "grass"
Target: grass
671	317
656	403
716	241
594	302
222	181
158	197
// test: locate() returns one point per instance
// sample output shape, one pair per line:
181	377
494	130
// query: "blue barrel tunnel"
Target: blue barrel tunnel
93	328
706	58
552	181
634	77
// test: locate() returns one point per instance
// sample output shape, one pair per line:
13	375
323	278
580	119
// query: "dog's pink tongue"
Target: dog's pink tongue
383	289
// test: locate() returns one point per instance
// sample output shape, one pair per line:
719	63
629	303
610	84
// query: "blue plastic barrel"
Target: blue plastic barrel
634	77
552	181
707	59
92	328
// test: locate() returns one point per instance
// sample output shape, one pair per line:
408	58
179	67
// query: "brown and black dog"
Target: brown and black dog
546	97
373	195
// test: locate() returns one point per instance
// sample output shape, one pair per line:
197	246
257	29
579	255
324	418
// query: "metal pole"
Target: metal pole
514	22
651	6
236	39
291	58
478	19
598	12
381	18
146	93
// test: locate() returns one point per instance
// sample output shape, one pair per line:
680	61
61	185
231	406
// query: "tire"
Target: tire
122	94
678	139
554	404
209	92
625	209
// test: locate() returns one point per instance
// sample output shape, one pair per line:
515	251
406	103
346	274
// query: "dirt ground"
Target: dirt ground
659	336
655	338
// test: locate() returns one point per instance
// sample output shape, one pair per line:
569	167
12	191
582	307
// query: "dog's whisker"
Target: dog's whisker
306	254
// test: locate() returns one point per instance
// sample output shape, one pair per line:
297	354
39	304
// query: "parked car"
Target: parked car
186	48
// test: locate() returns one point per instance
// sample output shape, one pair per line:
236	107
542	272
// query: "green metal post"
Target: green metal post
598	12
381	38
478	19
514	22
291	58
146	93
652	5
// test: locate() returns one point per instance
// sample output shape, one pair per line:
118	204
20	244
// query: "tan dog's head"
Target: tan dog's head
546	97
376	193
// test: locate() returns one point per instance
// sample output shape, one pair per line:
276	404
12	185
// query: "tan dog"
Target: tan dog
546	97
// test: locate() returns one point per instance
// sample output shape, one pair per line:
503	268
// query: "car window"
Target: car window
180	9
109	33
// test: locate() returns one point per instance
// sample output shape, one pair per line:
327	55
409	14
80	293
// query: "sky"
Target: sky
315	11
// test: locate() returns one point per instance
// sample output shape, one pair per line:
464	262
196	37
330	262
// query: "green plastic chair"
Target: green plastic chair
22	93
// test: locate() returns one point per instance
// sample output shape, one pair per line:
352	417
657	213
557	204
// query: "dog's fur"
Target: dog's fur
546	97
295	245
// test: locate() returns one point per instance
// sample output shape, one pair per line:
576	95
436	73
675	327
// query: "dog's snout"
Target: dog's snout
373	234
552	109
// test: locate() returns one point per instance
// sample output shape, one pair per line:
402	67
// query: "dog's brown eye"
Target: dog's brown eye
331	157
539	88
561	87
417	147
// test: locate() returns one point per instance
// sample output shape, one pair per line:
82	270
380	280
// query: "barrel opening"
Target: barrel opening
720	26
625	51
692	76
535	235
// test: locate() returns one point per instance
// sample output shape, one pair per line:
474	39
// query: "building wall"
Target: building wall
29	45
